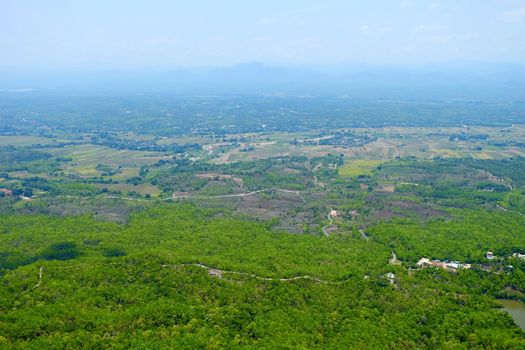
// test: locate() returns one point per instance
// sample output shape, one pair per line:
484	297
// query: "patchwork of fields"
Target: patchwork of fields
330	224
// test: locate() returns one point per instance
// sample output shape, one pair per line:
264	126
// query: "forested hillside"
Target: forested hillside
75	282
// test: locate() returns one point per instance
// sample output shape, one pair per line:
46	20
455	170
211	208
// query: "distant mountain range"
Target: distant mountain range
451	80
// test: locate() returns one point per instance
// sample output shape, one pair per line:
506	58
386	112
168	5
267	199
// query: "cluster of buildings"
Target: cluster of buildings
491	256
456	265
452	265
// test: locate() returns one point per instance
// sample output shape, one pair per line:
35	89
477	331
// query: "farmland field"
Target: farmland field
358	167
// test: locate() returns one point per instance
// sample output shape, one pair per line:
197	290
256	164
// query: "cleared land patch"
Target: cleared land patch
359	167
85	159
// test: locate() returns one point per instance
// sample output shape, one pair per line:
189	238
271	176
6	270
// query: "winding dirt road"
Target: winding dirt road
325	228
297	193
219	273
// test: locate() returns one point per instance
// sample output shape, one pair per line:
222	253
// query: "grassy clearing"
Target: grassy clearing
358	167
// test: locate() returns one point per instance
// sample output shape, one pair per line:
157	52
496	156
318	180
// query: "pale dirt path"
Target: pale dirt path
297	193
507	128
219	273
324	228
507	196
40	274
363	235
393	260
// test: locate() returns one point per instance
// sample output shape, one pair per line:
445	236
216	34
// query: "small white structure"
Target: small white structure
215	273
519	256
423	262
490	256
453	265
333	213
439	263
391	277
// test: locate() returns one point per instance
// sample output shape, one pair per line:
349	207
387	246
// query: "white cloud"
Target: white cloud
429	28
310	43
368	29
265	20
467	36
517	15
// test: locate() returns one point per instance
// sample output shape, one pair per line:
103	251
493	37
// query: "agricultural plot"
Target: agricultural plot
27	140
86	158
358	167
124	188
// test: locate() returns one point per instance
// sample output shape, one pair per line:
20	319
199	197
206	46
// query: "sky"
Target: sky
163	33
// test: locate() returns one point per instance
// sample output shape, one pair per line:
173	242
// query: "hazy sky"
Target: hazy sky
112	33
